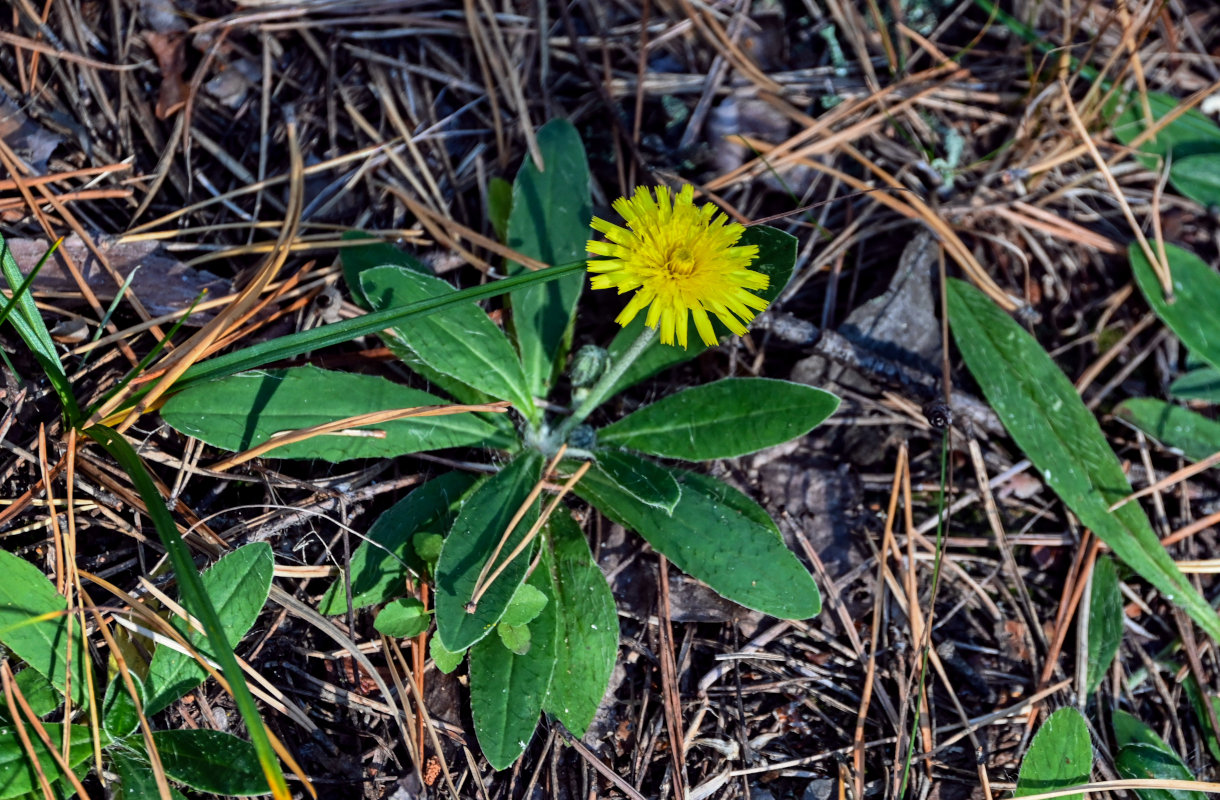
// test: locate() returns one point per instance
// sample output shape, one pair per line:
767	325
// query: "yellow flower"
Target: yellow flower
682	259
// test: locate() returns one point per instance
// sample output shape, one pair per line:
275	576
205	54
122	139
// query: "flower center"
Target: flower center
681	262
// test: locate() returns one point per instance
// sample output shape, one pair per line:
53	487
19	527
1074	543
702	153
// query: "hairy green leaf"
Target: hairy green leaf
1196	298
211	761
1189	432
1060	755
646	481
43	644
402	618
1106	618
17	776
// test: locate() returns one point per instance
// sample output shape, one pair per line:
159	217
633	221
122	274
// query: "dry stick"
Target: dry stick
1161	269
670	693
1191	529
1169	480
418	697
480	586
358	421
23	43
887	539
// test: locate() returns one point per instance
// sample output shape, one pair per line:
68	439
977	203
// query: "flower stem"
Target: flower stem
601	390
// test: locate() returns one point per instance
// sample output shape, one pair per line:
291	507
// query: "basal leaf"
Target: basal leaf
446	660
17	776
499	206
549	221
1046	418
476	532
1198	177
237	585
727	418
136	781
211	761
1060	755
1198	384
376	253
646	481
402	618
245	410
1106	618
1196	298
507	690
1142	754
119	716
1189	432
776	258
39	693
1190	134
1199	701
588	626
461	342
25	593
381	563
710	540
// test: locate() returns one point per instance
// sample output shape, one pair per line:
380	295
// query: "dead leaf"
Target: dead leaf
170	50
32	143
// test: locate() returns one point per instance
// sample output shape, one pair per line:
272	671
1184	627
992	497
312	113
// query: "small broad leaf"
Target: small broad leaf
1060	755
1148	761
427	546
527	603
211	761
26	594
645	480
1130	729
727	418
743	560
380	565
17	775
1196	296
1105	621
1047	419
507	689
516	638
403	618
247	409
1189	134
1189	432
39	693
499	206
461	342
376	253
588	626
446	660
1198	384
1199	702
136	780
119	716
549	221
476	532
238	586
1198	177
776	258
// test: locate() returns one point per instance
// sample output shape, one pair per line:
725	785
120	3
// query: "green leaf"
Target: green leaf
507	689
247	409
1191	433
381	563
527	603
499	206
516	638
1060	755
1198	177
119	716
1046	418
1196	296
645	480
588	626
1129	730
136	780
720	492
377	253
427	546
237	587
403	618
446	660
1198	384
776	258
1105	621
461	342
1190	134
1199	702
17	774
476	533
195	596
25	593
211	761
549	221
727	418
1144	761
711	540
39	693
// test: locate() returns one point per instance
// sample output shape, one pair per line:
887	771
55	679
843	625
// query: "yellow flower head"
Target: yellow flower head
681	258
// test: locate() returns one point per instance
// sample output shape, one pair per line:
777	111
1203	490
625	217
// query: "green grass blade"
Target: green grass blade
193	593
